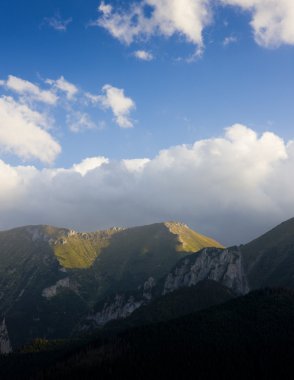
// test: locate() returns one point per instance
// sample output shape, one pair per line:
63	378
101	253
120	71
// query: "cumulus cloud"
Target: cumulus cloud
136	164
143	55
272	20
233	188
22	132
71	101
115	99
29	90
64	86
167	17
89	164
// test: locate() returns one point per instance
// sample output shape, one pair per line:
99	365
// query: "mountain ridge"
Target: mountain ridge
189	240
51	277
227	266
59	282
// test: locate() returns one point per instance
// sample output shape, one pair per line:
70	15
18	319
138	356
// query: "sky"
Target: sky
124	113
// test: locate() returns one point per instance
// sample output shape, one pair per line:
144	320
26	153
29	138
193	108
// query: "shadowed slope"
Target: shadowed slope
248	337
269	259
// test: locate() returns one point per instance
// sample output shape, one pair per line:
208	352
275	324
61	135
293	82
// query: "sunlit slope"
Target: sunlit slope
149	250
189	240
135	254
122	259
117	248
80	250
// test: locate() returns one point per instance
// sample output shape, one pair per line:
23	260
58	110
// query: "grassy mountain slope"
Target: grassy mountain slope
135	254
269	259
51	277
80	250
189	240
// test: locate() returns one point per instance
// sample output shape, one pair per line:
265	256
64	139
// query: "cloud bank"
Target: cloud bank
232	188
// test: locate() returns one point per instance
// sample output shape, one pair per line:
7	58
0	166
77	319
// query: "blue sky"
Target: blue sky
112	81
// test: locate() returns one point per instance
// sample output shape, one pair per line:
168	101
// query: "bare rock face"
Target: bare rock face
149	285
223	266
120	307
5	345
53	290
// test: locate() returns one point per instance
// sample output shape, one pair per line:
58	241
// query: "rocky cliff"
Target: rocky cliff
5	346
221	265
122	305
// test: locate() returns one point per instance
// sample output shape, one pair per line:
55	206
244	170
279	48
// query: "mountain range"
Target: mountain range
52	278
61	284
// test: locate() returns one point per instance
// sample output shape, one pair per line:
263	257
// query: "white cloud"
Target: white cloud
272	20
10	183
114	98
22	132
143	55
168	17
78	121
136	164
72	102
57	23
63	85
89	164
106	9
233	188
30	90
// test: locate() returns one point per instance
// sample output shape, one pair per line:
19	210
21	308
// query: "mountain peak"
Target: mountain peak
173	223
190	240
